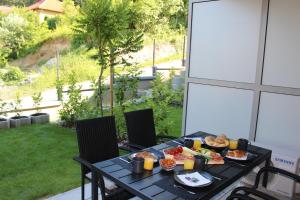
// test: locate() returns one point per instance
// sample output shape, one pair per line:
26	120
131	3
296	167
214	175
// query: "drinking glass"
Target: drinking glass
233	144
148	163
188	164
197	144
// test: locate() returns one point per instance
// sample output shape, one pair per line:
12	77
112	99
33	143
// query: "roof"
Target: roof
5	9
50	5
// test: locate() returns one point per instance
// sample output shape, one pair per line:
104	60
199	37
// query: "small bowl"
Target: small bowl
167	167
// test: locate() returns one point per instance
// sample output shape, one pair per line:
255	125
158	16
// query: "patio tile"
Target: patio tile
75	194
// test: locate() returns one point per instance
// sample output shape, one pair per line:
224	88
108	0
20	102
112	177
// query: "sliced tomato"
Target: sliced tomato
180	149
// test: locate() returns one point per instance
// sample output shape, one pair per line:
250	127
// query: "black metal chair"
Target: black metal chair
141	129
97	141
244	192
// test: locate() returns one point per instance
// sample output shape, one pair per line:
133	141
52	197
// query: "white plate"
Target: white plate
240	158
134	154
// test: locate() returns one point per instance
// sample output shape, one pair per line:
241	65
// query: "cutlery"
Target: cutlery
178	186
217	178
124	160
176	142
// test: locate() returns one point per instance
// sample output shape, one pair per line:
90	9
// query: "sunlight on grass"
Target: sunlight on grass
37	161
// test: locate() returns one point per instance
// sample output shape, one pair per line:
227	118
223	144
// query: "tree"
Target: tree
106	25
159	15
14	32
17	2
70	12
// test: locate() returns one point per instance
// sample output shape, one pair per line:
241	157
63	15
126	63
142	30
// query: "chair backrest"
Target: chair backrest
97	139
277	171
141	128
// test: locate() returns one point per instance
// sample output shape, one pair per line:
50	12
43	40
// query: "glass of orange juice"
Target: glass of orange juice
197	144
233	144
188	164
148	163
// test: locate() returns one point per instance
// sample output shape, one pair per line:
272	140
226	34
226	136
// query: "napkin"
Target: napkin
193	179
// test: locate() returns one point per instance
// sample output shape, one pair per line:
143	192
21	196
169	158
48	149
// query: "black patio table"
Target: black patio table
159	184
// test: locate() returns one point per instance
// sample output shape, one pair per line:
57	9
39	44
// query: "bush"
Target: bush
76	107
14	32
4	107
4	52
126	85
52	23
161	99
13	74
37	99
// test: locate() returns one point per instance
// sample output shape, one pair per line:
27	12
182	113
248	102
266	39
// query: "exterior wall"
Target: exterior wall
243	70
45	13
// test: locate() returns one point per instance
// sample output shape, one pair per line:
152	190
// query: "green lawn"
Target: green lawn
36	161
175	115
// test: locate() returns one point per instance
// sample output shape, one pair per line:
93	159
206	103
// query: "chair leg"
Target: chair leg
82	186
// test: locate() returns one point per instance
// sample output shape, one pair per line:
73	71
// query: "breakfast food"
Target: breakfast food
145	154
178	154
219	141
174	151
212	157
236	154
216	159
167	164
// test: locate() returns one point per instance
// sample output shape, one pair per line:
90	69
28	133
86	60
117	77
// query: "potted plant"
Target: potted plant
18	120
38	117
4	122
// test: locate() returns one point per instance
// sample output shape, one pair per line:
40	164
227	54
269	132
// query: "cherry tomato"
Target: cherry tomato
180	149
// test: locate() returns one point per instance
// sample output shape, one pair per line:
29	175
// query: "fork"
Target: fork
178	186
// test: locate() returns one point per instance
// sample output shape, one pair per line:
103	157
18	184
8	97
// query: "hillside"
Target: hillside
46	52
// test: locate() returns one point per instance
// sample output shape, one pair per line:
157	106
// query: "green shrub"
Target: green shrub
13	74
76	107
4	52
52	23
14	32
4	107
17	105
126	85
37	99
160	100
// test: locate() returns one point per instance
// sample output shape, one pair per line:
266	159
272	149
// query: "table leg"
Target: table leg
94	185
265	178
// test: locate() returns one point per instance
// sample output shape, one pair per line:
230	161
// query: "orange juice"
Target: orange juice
148	163
188	164
197	144
233	144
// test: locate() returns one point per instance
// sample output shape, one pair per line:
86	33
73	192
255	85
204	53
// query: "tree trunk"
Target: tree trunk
111	63
100	88
100	91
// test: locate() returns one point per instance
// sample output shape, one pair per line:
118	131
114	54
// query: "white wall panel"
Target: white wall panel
282	57
219	110
279	121
225	40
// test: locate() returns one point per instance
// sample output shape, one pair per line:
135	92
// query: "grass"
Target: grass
175	115
36	161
